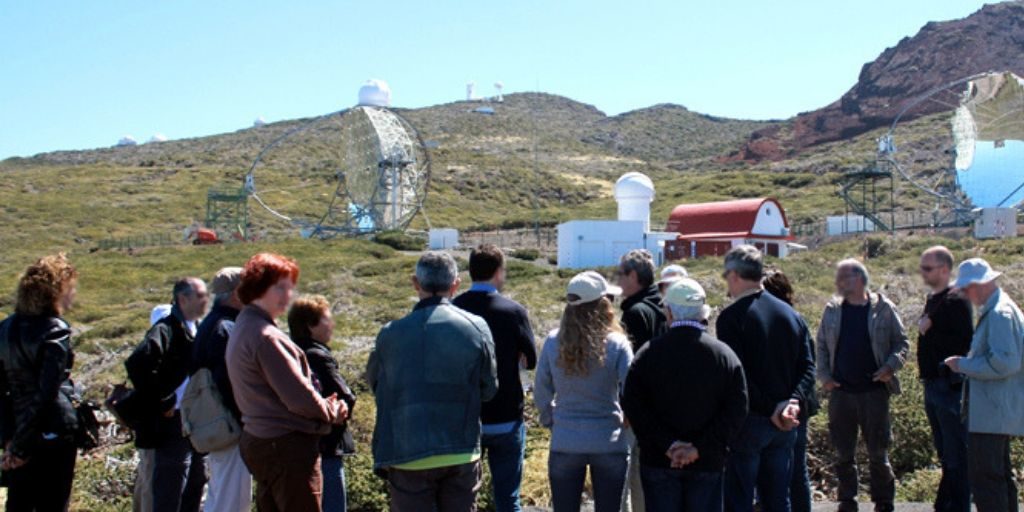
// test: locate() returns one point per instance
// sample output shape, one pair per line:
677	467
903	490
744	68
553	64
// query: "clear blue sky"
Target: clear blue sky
79	74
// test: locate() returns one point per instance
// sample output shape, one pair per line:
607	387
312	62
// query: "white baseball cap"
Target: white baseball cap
589	286
672	273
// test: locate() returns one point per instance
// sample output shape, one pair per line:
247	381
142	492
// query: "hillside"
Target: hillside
991	39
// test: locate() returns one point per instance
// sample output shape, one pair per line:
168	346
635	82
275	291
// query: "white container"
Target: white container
443	238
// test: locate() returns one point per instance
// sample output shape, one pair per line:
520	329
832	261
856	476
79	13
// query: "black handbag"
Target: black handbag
123	402
87	436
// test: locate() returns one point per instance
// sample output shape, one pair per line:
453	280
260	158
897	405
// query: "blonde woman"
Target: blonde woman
580	375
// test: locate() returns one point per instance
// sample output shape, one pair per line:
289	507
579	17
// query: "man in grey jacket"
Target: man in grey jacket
430	371
861	346
995	386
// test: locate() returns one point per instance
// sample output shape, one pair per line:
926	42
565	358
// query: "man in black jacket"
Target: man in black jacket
503	434
642	315
159	368
230	481
643	319
770	340
946	328
685	397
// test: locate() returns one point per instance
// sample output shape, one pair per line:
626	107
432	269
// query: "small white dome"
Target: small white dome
127	140
634	185
259	122
157	137
375	93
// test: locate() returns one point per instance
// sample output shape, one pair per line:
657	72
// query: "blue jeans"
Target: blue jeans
567	471
333	469
942	404
505	454
800	483
675	490
761	456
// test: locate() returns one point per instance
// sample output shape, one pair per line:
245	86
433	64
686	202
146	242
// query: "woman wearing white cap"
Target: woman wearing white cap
580	374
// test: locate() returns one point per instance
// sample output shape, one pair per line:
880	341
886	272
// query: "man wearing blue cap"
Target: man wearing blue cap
995	386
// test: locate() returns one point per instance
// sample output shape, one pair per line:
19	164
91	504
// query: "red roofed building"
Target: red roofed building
711	229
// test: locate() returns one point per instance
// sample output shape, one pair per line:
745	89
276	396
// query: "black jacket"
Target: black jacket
642	316
685	386
211	343
513	335
771	340
157	367
328	381
949	335
35	381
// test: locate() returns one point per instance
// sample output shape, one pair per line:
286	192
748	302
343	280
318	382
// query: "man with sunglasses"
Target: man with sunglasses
945	329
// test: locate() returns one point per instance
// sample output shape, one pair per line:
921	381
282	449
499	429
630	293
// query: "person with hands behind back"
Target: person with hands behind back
686	397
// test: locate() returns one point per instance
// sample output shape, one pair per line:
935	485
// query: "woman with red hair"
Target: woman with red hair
283	415
36	392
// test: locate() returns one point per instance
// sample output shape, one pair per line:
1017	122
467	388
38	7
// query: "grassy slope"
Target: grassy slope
484	175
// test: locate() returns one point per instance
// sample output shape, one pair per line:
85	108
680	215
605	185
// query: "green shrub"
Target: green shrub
525	254
400	240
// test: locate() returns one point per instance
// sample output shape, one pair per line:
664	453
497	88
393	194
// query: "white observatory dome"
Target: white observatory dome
157	137
375	93
259	122
634	192
127	140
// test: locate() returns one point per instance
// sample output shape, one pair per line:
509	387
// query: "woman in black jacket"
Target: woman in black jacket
36	410
311	326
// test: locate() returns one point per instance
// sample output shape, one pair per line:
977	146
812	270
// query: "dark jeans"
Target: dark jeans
451	488
761	457
286	471
179	474
567	471
942	404
868	412
333	469
679	490
43	484
505	454
800	481
991	473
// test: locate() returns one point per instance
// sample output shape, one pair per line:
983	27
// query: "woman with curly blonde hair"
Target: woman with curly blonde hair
36	391
579	378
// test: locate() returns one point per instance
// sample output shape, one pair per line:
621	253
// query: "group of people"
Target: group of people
666	413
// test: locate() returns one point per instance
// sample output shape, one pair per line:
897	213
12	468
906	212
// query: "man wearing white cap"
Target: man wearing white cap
230	488
683	448
995	386
669	275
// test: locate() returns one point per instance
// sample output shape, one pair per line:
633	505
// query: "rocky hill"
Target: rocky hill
991	39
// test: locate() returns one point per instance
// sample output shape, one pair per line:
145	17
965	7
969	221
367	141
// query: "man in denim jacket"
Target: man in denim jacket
430	371
995	386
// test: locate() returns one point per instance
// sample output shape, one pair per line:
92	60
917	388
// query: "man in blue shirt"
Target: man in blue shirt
503	432
994	368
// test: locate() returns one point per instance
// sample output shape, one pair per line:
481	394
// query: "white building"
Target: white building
440	239
852	223
996	223
598	243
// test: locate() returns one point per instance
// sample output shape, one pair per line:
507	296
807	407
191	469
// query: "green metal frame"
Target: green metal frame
227	212
866	203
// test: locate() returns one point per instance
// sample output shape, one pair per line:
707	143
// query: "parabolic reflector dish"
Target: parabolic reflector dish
988	134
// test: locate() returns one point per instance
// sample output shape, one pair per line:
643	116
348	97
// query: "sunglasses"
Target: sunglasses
927	268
